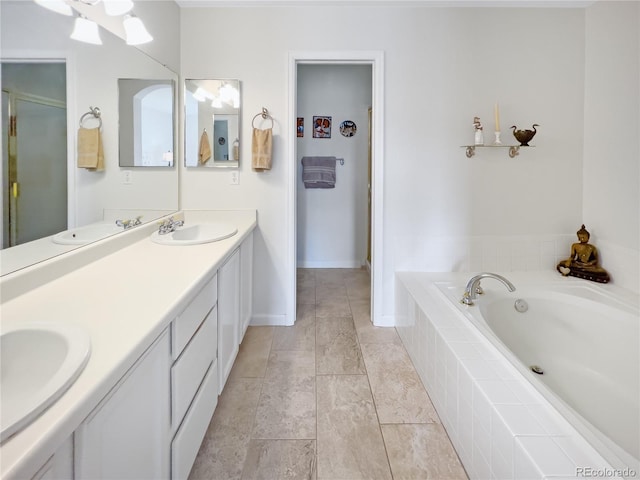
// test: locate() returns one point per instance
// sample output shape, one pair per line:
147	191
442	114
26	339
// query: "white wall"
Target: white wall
612	137
442	67
332	223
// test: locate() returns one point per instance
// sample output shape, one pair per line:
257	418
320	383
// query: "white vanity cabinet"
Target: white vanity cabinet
127	434
194	377
60	464
246	284
228	315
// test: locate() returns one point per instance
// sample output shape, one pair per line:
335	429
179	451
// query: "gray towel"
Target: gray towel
319	172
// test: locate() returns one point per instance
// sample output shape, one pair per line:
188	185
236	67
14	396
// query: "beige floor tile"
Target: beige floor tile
350	444
361	310
305	277
287	408
300	336
367	333
337	348
398	392
254	352
287	363
334	276
282	415
359	290
334	307
330	292
421	452
306	295
223	451
280	459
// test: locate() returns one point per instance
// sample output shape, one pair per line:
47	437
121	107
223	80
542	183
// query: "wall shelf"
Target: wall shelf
514	150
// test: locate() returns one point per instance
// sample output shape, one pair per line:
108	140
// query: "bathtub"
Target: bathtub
582	339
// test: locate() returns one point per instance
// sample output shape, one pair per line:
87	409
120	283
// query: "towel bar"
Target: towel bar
95	112
264	114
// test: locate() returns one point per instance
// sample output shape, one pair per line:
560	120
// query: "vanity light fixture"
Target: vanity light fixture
58	6
117	7
135	30
85	30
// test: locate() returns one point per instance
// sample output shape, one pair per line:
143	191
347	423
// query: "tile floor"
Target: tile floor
332	397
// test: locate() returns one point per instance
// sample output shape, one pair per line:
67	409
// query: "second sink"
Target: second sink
196	234
39	362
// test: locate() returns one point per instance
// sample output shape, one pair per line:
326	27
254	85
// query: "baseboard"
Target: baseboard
384	321
261	320
338	264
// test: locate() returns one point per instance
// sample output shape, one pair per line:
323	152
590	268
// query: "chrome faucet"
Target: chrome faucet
473	288
169	225
127	224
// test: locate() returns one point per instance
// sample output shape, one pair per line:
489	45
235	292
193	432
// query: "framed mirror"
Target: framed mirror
212	123
146	122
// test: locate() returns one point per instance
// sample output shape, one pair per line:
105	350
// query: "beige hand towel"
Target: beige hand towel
90	153
261	146
204	150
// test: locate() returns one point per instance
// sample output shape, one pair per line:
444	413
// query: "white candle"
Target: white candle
496	113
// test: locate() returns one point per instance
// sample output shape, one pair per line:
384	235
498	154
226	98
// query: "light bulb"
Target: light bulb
58	6
84	30
135	31
117	7
200	95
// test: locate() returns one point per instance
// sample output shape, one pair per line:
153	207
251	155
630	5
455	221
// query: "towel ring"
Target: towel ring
264	114
95	112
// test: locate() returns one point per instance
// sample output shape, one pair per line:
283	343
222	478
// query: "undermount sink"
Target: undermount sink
86	234
196	234
38	363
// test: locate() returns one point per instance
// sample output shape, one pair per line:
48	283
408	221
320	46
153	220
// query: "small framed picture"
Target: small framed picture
321	127
300	127
348	128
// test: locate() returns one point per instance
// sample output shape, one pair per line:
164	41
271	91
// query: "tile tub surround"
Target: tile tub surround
499	424
331	397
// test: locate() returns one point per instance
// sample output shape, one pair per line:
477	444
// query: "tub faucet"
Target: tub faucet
169	225
473	288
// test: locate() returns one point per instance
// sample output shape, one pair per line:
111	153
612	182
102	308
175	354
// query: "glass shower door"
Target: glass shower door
37	169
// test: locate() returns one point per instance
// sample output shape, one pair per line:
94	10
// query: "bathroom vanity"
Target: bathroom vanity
165	324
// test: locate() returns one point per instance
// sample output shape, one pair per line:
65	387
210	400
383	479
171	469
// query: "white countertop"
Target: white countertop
124	300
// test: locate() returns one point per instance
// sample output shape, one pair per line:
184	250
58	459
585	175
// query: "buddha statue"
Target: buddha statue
584	261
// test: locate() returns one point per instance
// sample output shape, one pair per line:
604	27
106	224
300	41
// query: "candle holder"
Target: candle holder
497	140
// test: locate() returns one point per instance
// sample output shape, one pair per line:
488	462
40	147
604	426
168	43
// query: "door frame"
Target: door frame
39	56
376	60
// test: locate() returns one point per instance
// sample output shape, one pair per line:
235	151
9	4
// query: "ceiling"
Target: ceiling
388	3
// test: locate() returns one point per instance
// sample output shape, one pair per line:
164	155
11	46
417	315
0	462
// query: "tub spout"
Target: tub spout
473	288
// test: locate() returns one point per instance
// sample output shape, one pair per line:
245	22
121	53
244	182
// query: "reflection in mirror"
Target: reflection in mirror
146	122
212	123
37	37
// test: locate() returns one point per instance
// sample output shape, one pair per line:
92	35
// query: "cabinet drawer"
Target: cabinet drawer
183	327
186	443
190	368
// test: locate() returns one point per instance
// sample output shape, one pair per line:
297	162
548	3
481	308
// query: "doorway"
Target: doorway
34	156
374	61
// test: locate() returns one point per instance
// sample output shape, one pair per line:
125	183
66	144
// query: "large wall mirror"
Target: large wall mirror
39	55
212	123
